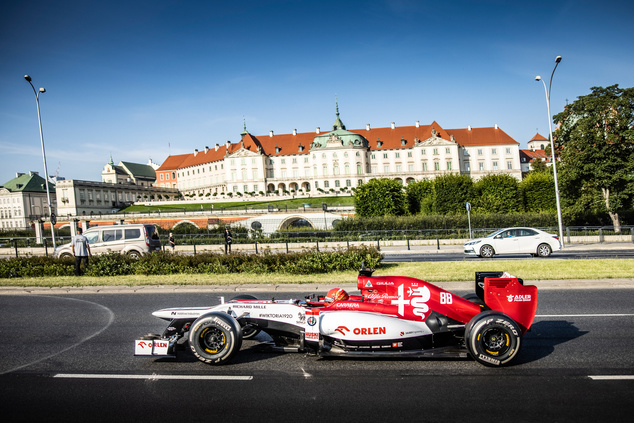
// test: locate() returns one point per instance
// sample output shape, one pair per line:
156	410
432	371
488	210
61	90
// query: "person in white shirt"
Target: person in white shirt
81	251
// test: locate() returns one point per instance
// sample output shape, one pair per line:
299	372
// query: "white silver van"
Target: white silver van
133	240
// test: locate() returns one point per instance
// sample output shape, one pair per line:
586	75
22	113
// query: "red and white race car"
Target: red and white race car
393	316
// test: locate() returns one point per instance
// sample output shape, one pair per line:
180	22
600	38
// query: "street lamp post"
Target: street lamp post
48	193
552	146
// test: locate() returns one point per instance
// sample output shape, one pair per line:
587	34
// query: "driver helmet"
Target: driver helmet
336	294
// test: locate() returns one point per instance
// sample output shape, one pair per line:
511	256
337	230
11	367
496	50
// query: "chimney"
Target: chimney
294	131
317	130
367	126
469	128
228	144
271	134
206	149
216	148
393	125
195	152
418	124
496	126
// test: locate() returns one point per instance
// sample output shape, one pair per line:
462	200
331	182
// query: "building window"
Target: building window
447	150
386	169
424	167
325	170
481	166
435	151
409	154
375	169
348	183
359	169
398	155
479	151
495	165
436	166
385	155
326	184
399	168
494	151
423	151
347	169
509	165
337	183
508	151
410	167
449	166
161	175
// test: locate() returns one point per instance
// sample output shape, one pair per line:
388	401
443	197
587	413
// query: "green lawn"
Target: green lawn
529	270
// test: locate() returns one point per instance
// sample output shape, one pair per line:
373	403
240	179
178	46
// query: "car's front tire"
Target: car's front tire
215	338
486	251
492	338
544	250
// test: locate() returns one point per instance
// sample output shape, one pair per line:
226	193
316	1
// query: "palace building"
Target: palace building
340	159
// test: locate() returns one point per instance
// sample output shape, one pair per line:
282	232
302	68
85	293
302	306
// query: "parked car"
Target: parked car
133	240
514	241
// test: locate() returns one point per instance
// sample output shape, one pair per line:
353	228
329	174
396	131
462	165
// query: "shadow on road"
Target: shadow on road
544	336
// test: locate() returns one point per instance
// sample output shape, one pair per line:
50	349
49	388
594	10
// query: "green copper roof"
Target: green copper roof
28	183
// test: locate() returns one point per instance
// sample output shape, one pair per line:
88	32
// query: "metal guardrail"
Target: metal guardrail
25	246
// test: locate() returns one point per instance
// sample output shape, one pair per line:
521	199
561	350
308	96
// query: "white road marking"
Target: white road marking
612	377
586	315
87	338
148	377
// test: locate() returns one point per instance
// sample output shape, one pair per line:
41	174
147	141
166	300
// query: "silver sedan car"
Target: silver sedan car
514	241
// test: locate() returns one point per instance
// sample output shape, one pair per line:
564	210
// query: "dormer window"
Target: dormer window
277	149
403	142
379	143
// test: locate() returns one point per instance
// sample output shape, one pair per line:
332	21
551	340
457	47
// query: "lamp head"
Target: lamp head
27	77
42	90
557	59
538	78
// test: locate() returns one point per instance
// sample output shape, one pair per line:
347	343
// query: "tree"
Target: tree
538	191
380	197
420	196
497	193
595	144
452	192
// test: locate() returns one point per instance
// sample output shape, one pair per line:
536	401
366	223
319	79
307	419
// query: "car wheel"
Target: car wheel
215	338
486	251
65	255
544	250
492	338
248	332
133	254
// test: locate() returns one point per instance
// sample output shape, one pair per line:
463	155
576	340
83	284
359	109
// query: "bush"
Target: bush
161	263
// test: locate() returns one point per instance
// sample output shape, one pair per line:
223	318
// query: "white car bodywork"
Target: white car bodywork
514	241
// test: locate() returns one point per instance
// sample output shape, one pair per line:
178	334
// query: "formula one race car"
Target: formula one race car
394	316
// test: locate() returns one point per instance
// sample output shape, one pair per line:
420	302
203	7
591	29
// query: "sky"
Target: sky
139	80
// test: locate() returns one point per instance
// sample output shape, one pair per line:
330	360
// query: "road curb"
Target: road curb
624	283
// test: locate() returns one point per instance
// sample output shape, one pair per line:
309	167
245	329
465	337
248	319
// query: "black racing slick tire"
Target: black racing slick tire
247	331
215	338
486	251
473	297
493	338
544	250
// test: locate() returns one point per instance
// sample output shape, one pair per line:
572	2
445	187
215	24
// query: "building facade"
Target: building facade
77	198
130	173
341	159
24	200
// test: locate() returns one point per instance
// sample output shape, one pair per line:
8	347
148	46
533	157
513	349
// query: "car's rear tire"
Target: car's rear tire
544	250
65	255
214	338
473	297
486	251
247	332
492	338
134	254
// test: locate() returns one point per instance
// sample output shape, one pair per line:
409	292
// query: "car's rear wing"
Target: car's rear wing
508	294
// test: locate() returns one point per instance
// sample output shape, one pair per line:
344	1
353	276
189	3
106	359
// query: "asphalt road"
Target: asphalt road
70	358
454	253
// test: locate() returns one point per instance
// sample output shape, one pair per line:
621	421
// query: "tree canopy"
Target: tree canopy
595	145
380	197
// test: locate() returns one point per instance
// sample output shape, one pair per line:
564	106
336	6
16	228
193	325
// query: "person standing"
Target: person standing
81	250
227	240
171	242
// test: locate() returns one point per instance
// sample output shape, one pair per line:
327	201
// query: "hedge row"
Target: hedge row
163	263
